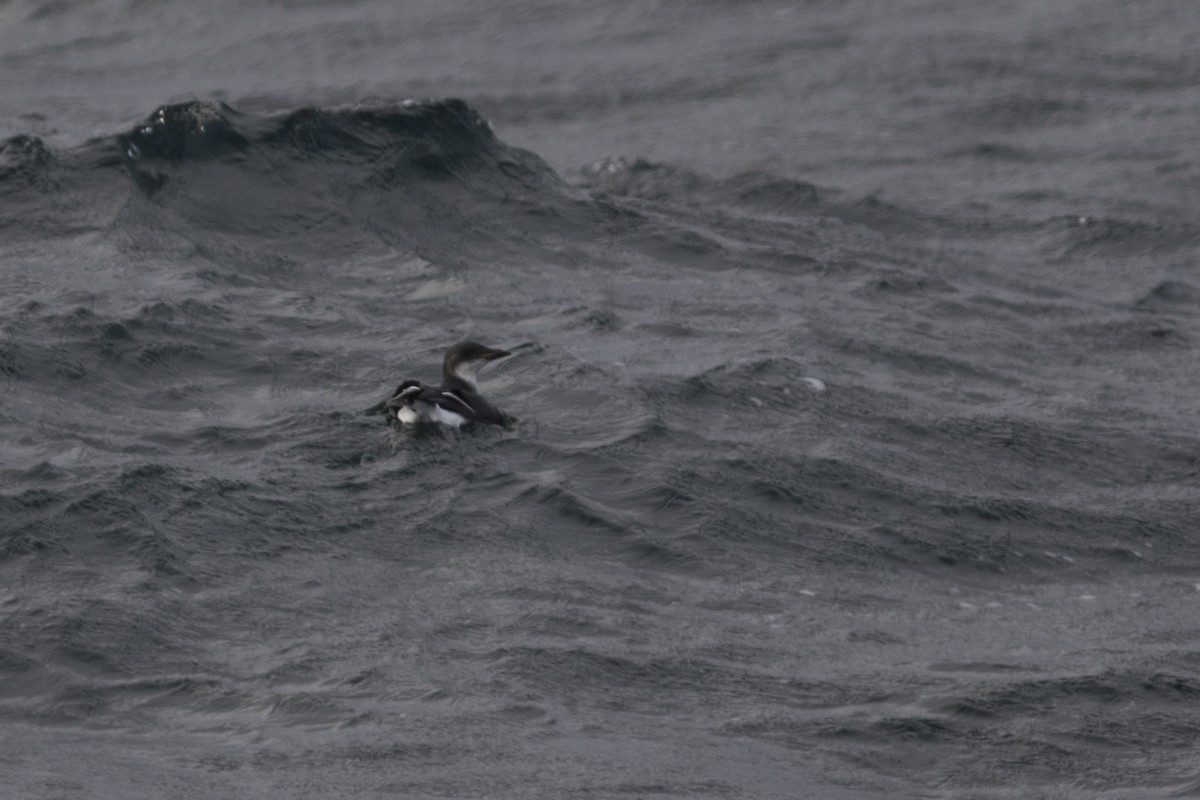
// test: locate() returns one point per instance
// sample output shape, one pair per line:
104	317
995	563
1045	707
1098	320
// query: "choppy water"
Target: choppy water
967	568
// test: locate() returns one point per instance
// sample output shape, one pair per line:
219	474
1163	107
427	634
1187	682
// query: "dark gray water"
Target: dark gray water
857	355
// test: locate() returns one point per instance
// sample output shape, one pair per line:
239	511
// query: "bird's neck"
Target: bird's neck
462	375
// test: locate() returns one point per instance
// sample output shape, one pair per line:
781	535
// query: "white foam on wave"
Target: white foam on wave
816	384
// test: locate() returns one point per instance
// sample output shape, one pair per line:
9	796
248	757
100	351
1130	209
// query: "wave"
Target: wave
428	140
418	176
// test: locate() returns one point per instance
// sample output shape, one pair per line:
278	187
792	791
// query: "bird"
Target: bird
457	401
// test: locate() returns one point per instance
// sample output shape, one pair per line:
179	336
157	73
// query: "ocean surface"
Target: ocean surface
856	373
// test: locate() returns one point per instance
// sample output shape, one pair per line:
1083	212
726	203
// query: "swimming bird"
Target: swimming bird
457	401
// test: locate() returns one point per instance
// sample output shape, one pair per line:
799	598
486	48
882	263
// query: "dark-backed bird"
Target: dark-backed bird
457	401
